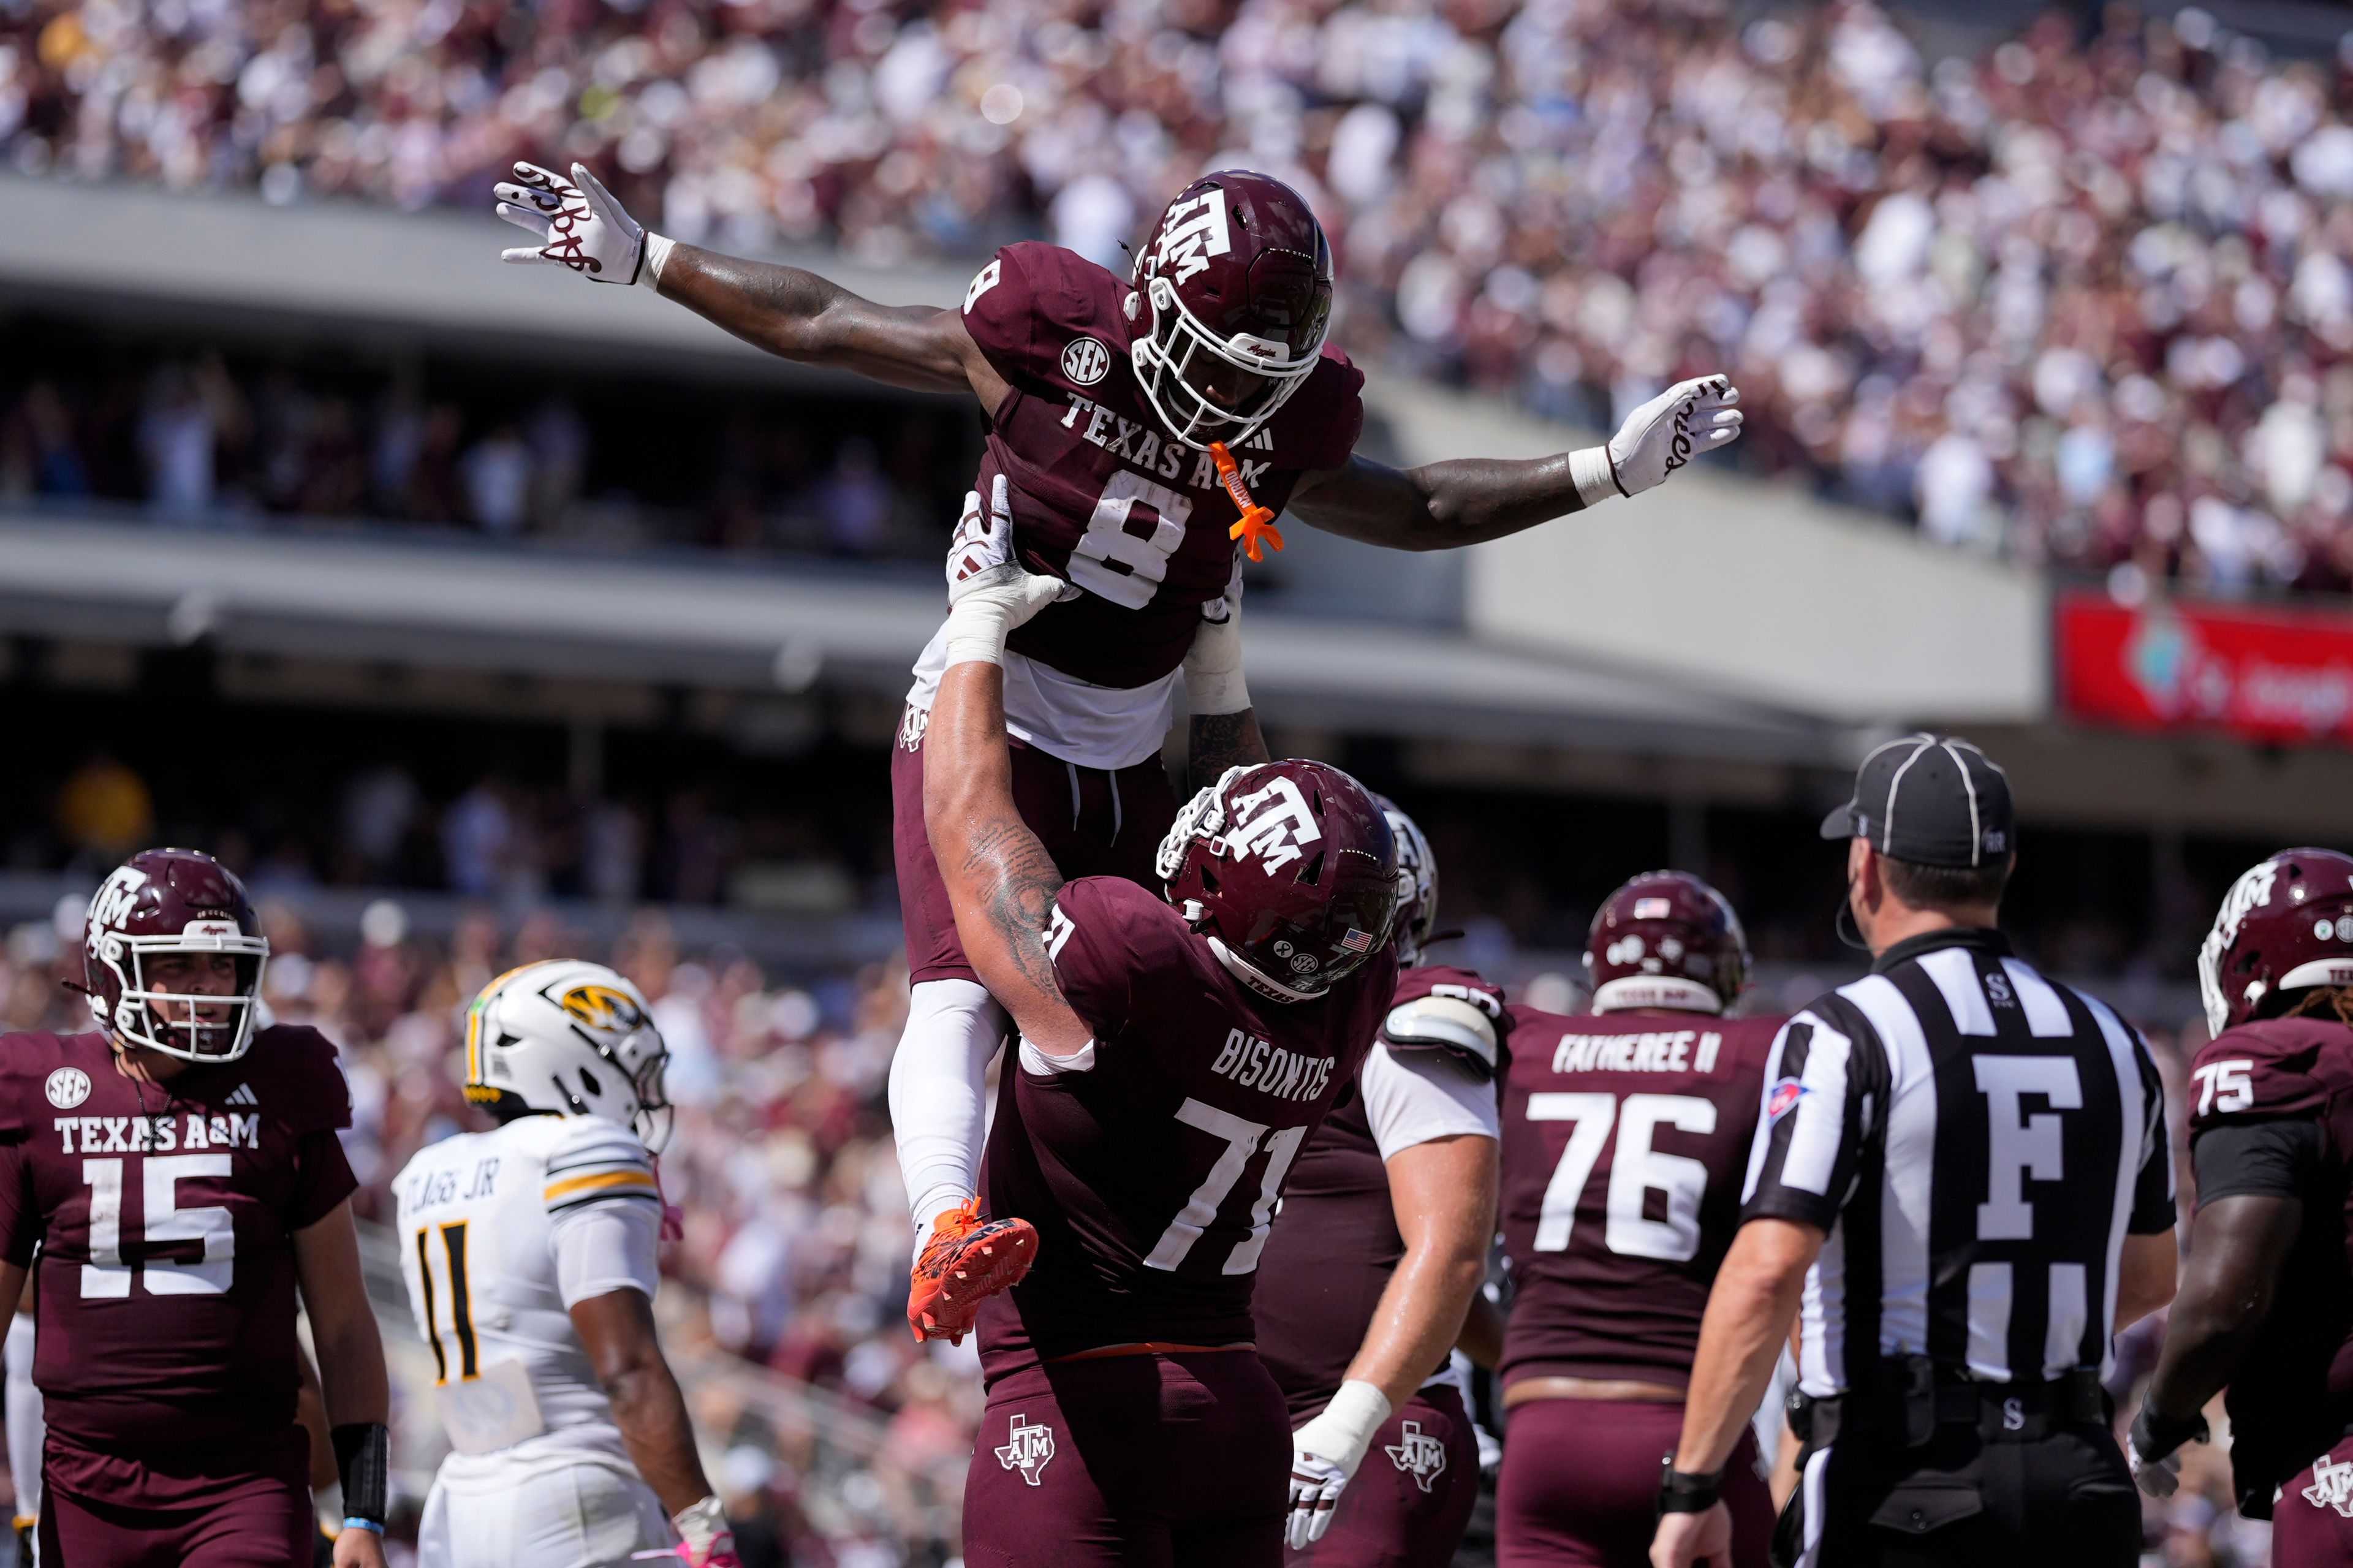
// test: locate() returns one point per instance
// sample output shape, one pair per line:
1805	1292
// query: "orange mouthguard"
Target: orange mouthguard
1257	523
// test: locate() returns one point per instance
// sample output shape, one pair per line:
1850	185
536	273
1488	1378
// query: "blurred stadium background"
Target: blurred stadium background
476	617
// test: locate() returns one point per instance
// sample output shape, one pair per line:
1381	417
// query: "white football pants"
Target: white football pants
939	1099
583	1515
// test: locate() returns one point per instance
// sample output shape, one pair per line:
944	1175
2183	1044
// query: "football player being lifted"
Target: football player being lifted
1137	427
1626	1137
1378	1250
530	1254
2266	1299
179	1172
1173	1055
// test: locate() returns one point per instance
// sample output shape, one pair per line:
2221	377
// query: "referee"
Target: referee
1965	1168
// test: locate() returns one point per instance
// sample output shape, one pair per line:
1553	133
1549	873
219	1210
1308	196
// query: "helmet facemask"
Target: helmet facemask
189	1026
1180	361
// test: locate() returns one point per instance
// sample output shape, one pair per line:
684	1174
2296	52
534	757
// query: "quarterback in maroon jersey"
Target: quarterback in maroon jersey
1379	1247
1626	1135
1174	1055
179	1172
1137	427
2267	1298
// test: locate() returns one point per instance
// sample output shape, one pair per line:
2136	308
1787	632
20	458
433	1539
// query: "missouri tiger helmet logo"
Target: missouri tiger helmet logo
602	1009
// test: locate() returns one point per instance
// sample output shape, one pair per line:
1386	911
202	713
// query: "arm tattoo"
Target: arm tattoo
1221	741
1017	880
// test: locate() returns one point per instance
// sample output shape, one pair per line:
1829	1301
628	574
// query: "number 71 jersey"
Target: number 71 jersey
1626	1138
166	1216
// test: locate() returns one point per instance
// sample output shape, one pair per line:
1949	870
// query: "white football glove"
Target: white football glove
989	592
704	1540
1213	665
1688	419
1324	1454
2160	1478
580	226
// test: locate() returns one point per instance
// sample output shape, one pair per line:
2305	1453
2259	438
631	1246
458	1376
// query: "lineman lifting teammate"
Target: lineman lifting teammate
530	1258
1625	1137
1136	428
178	1169
1174	1055
1965	1168
2266	1302
1378	1250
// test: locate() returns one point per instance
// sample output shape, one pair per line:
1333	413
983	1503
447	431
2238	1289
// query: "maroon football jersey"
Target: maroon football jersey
1335	1241
165	1216
1152	1175
1100	494
2292	1396
1625	1141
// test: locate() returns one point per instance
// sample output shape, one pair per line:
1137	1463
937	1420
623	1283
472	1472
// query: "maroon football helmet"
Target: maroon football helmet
1417	910
173	900
1666	940
2285	925
1237	278
1289	870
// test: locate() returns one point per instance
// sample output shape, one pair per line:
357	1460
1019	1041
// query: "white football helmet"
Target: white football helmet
570	1038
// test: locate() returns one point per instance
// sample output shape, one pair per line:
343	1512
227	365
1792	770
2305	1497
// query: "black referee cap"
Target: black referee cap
1930	799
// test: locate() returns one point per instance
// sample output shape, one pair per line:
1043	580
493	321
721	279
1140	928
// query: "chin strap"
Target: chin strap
1256	523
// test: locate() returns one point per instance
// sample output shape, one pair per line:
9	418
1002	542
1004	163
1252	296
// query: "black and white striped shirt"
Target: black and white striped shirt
1975	1142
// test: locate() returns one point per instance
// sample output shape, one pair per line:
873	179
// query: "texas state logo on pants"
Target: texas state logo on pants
1026	1448
1417	1454
2311	1523
1413	1495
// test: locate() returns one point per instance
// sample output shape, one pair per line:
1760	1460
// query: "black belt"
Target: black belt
1914	1402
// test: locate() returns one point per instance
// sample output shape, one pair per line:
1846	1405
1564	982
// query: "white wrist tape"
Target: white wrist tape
1213	670
1589	471
978	624
1344	1429
657	257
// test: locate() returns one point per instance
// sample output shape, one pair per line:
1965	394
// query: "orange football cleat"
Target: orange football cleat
967	1260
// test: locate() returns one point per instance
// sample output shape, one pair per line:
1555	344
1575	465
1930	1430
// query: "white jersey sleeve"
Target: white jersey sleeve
500	1233
1417	1097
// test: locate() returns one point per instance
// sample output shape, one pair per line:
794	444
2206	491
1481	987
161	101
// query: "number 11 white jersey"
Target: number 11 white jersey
500	1234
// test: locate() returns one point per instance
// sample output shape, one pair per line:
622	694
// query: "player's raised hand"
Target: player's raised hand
990	592
578	225
1688	419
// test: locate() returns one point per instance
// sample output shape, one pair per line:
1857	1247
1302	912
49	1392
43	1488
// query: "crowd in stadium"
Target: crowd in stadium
2087	301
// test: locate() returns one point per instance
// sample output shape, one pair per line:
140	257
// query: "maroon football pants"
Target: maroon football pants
1092	822
203	1513
1581	1486
2313	1520
1136	1461
1408	1503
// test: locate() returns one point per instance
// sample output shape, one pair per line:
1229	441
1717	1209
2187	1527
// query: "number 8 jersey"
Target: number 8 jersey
165	1214
1102	497
1625	1139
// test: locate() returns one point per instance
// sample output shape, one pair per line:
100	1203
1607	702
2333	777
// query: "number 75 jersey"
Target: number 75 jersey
166	1216
1626	1138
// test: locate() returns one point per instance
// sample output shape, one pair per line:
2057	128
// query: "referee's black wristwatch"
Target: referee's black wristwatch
1688	1491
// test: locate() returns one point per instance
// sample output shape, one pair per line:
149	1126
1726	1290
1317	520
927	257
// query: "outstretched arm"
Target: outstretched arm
794	314
1001	882
1467	500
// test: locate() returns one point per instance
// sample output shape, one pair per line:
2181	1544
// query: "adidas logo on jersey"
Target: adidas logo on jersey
243	1095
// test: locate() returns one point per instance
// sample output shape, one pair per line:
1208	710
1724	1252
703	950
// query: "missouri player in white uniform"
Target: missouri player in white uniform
529	1254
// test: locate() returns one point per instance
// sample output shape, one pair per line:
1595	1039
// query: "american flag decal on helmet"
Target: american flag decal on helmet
1357	941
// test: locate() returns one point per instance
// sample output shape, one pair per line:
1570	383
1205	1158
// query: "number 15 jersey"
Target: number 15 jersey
1625	1137
166	1216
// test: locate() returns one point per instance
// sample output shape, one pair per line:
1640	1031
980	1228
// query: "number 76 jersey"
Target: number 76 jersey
1626	1138
166	1216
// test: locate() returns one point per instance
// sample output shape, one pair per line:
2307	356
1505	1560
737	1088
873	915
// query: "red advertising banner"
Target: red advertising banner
2273	675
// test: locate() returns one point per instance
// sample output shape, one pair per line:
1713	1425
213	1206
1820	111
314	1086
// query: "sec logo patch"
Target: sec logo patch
1086	361
68	1087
